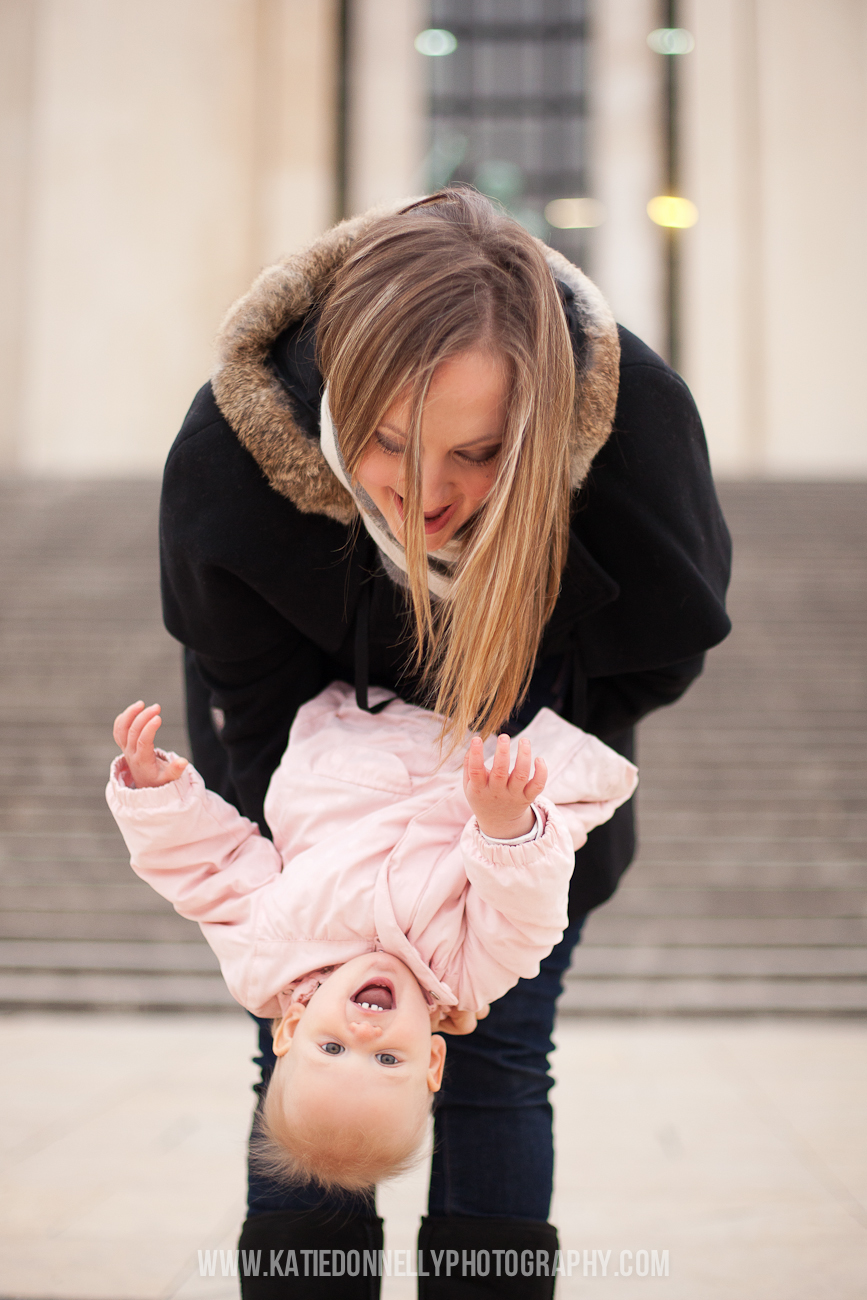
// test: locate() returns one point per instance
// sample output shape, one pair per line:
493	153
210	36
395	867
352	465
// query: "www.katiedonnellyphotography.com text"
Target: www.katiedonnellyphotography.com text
434	1263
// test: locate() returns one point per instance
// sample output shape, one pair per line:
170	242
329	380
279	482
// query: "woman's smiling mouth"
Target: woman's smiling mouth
434	520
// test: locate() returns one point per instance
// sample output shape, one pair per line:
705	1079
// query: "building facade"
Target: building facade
155	156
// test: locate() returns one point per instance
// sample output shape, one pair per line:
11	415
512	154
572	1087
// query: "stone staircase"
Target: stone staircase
749	893
80	636
750	890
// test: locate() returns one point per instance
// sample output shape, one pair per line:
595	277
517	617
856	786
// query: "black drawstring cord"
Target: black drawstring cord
362	654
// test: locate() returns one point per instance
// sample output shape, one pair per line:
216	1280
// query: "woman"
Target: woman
429	460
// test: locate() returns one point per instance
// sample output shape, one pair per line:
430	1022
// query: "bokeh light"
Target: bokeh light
574	214
668	210
499	179
671	40
436	41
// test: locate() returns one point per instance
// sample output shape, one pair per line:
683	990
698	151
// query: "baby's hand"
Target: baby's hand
501	799
449	1020
134	732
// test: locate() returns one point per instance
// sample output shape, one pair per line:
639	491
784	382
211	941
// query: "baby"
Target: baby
399	897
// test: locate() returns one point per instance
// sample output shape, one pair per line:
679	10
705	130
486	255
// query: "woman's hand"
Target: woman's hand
134	732
501	799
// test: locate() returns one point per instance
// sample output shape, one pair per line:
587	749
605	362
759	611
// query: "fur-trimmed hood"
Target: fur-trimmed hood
254	401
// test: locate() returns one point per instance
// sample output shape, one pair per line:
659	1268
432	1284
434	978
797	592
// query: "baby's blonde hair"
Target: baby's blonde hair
294	1148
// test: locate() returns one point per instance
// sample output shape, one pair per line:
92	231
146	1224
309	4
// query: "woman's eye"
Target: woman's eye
386	1058
333	1049
484	460
390	448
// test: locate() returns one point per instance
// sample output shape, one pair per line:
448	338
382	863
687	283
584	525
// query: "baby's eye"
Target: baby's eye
386	1058
333	1049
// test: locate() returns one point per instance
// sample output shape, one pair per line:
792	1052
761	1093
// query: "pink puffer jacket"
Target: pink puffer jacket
374	848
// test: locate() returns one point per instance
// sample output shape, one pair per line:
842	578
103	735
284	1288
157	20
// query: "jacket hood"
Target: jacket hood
256	404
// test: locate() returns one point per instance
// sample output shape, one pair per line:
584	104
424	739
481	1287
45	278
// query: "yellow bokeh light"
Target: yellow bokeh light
668	210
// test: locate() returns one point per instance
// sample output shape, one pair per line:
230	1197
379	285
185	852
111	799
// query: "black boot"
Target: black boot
476	1259
307	1255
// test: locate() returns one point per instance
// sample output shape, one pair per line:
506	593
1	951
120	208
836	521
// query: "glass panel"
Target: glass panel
508	108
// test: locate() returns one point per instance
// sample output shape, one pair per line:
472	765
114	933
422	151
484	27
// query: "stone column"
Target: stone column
16	111
173	147
627	164
776	268
386	102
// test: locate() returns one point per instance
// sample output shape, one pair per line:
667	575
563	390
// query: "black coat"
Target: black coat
265	597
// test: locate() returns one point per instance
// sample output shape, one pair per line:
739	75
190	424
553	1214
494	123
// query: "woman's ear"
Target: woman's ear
437	1062
285	1031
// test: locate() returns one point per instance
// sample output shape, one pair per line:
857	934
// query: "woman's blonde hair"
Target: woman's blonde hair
446	275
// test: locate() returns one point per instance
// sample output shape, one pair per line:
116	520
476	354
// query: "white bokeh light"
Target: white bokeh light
436	41
574	214
671	40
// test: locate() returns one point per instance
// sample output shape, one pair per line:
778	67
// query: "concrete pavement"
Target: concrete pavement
738	1147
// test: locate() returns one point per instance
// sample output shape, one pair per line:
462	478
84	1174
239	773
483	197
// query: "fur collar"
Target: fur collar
255	403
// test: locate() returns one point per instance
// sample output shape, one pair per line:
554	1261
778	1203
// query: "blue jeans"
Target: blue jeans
493	1142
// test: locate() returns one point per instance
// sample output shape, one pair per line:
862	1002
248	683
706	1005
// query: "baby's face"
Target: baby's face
364	1040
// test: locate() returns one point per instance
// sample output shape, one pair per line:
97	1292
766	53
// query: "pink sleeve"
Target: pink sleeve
589	783
193	847
517	908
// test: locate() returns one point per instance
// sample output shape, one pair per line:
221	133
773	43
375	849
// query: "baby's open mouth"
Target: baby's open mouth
375	996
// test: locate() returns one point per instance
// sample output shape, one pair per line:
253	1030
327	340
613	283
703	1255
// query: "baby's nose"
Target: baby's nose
364	1031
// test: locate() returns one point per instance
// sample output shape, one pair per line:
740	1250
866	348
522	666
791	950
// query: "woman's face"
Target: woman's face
462	427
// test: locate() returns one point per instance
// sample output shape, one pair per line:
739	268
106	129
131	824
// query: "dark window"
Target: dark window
508	108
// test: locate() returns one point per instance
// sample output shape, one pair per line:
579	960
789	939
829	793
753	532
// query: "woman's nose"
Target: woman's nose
436	484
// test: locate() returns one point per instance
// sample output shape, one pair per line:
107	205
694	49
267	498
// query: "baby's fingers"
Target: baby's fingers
173	770
122	722
475	772
500	765
536	784
138	725
145	745
456	1022
523	763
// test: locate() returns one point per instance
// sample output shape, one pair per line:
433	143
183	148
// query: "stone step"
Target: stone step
683	851
714	997
752	874
819	820
69	955
593	961
131	896
606	927
634	900
83	991
155	926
